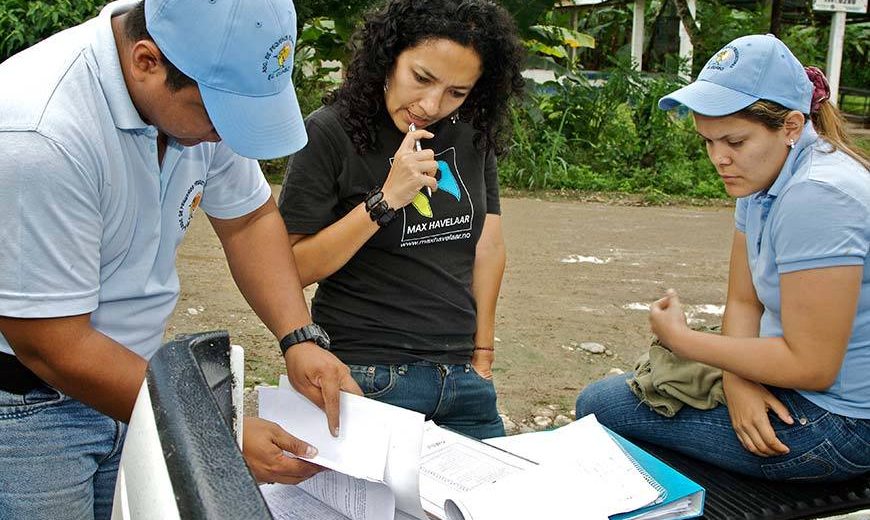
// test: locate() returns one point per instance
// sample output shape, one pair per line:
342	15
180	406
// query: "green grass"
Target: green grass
855	105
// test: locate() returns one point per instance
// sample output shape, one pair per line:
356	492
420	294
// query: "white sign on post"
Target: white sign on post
848	6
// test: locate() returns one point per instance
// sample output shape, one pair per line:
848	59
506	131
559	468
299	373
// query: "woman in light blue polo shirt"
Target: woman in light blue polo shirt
795	343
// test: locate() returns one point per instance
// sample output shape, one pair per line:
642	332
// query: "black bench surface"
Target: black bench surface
731	496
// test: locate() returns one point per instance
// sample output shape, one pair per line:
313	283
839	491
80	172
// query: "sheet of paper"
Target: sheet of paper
594	458
361	447
403	458
452	464
538	492
401	473
355	498
287	502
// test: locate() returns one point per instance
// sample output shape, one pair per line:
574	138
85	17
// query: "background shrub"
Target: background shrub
25	22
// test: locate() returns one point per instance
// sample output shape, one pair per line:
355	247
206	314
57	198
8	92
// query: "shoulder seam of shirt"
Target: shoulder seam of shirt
64	149
57	83
826	186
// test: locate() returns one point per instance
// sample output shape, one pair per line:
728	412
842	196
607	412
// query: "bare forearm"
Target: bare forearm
741	319
261	261
70	355
764	360
325	252
487	276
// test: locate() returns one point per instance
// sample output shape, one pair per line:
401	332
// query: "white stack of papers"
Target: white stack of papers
387	464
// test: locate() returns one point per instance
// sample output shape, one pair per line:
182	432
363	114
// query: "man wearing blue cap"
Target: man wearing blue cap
113	133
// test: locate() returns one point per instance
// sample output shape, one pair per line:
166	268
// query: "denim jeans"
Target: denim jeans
822	446
58	457
455	396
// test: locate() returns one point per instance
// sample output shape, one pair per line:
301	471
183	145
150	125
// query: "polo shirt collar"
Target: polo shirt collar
805	141
124	113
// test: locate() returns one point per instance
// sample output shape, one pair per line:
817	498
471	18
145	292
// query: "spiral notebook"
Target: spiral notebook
679	496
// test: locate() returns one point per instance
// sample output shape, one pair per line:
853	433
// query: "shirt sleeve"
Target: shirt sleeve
490	176
818	225
740	214
309	196
51	232
234	186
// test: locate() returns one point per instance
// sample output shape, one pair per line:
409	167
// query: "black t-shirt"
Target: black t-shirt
406	294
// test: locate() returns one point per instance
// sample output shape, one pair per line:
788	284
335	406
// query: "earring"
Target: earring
386	85
791	143
454	118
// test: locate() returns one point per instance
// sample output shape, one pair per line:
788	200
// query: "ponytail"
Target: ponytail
828	121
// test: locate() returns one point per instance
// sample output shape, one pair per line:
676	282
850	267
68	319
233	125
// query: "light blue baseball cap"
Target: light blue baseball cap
749	68
240	53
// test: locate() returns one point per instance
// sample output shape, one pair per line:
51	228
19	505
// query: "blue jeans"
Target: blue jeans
455	396
58	457
823	446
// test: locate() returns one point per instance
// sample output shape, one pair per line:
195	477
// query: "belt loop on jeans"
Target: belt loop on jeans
16	378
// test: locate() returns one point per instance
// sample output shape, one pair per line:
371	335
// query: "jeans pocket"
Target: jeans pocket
859	430
823	462
374	380
487	379
16	406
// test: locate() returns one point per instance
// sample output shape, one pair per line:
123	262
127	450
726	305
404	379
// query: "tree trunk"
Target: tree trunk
647	52
775	17
688	21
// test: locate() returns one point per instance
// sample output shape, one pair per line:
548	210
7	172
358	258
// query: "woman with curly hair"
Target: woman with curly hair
393	207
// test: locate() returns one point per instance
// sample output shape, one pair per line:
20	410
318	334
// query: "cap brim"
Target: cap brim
709	99
262	127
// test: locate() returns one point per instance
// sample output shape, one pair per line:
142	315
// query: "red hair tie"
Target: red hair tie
821	89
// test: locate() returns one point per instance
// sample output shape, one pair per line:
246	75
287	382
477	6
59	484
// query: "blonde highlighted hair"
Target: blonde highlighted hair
827	121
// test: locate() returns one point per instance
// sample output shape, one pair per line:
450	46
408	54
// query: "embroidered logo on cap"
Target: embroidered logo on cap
727	58
283	65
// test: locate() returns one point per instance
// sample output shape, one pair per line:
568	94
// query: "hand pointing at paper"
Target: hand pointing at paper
320	376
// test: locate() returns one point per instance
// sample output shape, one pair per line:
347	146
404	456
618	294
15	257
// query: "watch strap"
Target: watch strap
310	332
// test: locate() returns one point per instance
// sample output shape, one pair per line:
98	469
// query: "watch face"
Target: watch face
319	336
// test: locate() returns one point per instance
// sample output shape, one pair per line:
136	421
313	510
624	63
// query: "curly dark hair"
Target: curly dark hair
482	25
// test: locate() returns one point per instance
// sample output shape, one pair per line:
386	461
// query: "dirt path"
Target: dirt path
577	272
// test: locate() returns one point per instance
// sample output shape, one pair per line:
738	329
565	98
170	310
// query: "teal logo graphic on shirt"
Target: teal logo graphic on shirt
445	216
446	184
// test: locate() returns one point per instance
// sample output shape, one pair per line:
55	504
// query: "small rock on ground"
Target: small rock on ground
592	347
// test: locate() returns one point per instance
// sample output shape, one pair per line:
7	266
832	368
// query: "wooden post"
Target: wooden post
637	34
835	53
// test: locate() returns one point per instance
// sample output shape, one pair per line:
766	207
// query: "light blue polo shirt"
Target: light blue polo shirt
815	215
89	221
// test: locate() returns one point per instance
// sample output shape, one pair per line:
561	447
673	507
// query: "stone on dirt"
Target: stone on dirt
592	347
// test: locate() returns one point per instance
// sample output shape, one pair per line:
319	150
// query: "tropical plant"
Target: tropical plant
556	47
25	22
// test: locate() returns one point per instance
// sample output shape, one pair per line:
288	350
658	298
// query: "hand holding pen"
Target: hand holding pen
413	128
413	168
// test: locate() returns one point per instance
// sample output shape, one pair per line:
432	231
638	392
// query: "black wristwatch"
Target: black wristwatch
310	332
379	210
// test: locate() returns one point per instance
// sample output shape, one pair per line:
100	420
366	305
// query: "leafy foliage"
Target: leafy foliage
554	49
607	135
320	51
25	22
